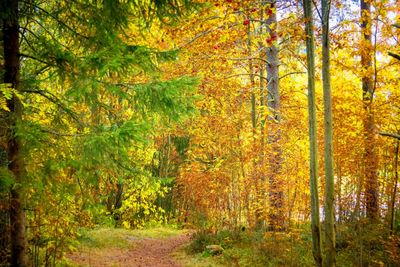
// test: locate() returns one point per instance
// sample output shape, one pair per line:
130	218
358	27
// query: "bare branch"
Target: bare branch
291	73
396	56
316	7
199	36
35	58
246	74
393	135
247	58
205	33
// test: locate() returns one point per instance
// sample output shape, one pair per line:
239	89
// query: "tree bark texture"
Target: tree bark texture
330	240
312	126
276	214
258	212
370	158
396	180
19	247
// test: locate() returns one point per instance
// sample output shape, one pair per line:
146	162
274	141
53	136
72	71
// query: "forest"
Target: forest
199	133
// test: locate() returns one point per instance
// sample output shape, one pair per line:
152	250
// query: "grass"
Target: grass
251	249
105	237
101	240
358	244
196	260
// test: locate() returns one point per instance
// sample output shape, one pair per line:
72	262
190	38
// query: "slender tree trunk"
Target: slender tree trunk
261	198
251	73
276	214
370	159
19	247
359	186
339	191
255	174
312	125
330	242
4	201
118	203
396	175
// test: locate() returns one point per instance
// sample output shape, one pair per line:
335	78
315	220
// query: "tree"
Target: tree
10	33
312	125
71	53
393	197
330	239
257	170
276	216
370	157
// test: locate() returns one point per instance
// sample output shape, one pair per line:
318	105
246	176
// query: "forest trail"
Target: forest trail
141	252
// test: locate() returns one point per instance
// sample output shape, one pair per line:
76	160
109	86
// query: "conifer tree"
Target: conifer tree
74	61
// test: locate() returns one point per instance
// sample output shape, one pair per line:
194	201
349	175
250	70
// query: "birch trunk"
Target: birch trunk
330	240
276	214
312	125
393	199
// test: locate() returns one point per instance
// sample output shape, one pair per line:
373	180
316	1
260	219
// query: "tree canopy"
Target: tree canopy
194	113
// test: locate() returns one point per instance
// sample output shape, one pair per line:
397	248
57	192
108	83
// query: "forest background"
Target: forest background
202	114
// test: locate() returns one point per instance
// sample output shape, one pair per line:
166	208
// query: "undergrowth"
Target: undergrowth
242	248
358	244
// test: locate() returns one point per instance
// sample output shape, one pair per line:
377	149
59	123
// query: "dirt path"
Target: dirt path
142	253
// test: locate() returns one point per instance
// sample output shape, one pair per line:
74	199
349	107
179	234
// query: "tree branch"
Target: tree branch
57	20
246	74
52	98
396	56
316	7
247	58
35	58
393	135
205	33
291	73
61	134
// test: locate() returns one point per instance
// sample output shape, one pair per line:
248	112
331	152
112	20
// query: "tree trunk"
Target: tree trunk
19	247
255	173
330	250
261	196
339	191
312	125
276	214
393	200
370	159
4	200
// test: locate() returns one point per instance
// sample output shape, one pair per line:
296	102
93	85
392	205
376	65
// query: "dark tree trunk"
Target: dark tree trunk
19	256
118	203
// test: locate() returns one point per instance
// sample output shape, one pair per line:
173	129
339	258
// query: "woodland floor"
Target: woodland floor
139	251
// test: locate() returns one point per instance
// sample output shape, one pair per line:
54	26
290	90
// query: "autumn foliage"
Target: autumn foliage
130	114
